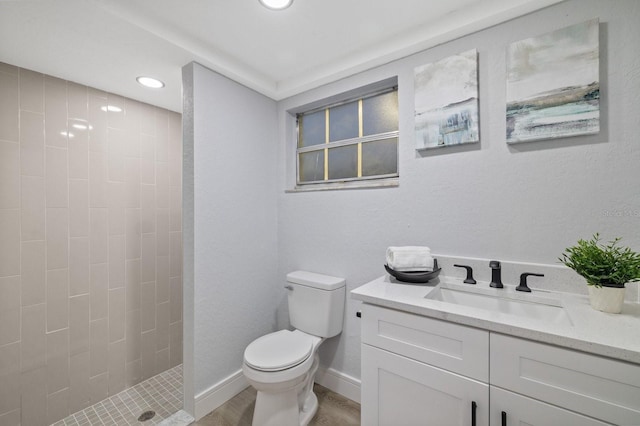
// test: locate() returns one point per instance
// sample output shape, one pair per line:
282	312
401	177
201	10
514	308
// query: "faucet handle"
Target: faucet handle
523	281
469	279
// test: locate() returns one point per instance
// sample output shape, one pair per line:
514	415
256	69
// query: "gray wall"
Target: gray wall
489	200
231	283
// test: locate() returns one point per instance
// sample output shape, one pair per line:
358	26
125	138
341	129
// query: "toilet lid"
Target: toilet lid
278	351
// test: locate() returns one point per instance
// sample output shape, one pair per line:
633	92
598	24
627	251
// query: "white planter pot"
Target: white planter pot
606	299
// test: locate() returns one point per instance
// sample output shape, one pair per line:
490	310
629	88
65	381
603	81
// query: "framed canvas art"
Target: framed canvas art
446	101
553	88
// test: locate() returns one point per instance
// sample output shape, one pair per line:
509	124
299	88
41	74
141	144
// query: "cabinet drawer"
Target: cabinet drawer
453	347
598	387
520	410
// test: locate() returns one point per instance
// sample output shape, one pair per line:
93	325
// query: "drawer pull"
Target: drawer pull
473	413
504	419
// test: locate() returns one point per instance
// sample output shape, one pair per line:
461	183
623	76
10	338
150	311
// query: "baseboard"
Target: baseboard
338	382
219	393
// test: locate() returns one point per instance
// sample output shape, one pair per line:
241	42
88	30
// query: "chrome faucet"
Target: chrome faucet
496	280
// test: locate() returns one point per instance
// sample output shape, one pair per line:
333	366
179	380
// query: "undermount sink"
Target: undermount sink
529	306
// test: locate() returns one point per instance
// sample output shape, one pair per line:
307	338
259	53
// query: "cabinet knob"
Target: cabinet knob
359	314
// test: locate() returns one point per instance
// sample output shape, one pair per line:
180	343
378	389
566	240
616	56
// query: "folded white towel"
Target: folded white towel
409	258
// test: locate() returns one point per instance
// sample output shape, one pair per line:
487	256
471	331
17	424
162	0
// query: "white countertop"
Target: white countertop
611	335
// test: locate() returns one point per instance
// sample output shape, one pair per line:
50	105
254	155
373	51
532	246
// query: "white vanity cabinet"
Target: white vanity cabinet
422	371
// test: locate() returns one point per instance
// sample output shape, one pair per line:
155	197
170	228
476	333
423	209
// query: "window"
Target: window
353	140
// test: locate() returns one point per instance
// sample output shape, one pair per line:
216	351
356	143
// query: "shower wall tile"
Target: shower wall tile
78	208
9	311
163	281
98	120
79	271
80	326
31	143
116	261
10	242
32	212
98	235
176	299
56	177
148	353
117	357
9	378
99	291
79	386
90	224
147	122
10	324
162	136
148	258
148	306
11	418
55	110
99	387
175	345
132	233
163	314
57	236
57	299
31	91
78	149
34	268
9	175
115	119
116	314
34	340
57	405
99	346
57	360
133	372
115	154
9	107
34	397
133	335
97	179
132	284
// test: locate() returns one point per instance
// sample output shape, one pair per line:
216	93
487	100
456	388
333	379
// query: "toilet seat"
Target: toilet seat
279	351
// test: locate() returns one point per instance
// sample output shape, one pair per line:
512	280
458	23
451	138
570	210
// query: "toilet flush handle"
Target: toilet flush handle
288	287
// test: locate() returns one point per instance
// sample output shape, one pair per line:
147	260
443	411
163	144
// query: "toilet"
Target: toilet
282	365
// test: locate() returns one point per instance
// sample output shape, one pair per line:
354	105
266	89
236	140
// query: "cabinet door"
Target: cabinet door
519	410
399	391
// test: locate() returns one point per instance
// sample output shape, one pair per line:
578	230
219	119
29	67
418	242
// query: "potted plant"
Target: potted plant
606	267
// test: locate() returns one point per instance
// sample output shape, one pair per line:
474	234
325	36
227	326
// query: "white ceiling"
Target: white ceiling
108	43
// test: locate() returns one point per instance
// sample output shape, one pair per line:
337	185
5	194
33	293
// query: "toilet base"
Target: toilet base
293	404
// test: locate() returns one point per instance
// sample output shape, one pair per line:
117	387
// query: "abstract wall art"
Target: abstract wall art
446	101
553	88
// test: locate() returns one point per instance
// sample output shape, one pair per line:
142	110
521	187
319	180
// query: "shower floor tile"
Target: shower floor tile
161	393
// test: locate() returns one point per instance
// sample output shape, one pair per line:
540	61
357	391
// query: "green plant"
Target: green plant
603	264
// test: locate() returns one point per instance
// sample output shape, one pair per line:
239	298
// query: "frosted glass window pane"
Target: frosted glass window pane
343	162
380	157
343	122
311	166
380	114
312	129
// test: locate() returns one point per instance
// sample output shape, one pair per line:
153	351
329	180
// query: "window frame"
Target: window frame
384	180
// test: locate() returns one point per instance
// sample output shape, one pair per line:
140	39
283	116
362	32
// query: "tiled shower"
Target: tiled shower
90	245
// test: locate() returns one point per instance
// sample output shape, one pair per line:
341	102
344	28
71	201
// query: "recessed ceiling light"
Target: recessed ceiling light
276	4
150	82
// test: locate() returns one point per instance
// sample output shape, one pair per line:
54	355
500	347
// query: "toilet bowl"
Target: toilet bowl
282	365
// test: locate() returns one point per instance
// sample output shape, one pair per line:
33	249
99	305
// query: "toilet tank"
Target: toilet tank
316	303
